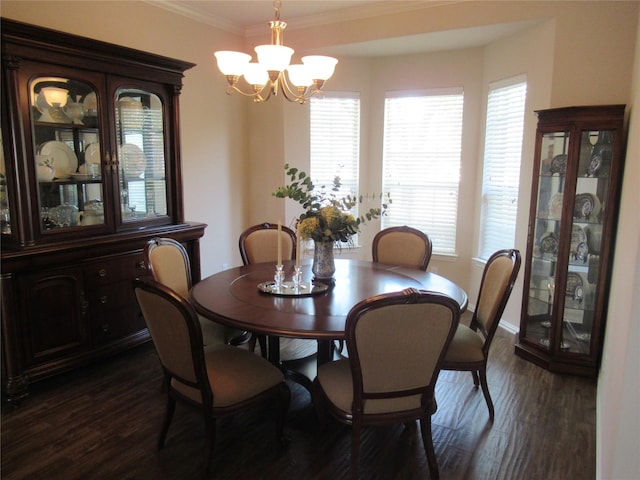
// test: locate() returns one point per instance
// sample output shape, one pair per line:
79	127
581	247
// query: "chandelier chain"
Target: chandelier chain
277	4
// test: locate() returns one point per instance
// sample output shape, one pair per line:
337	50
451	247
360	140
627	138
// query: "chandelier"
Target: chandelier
272	73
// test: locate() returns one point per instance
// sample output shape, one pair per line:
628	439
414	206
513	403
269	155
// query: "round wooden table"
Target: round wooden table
232	298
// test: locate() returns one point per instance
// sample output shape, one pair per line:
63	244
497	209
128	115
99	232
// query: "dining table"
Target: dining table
246	298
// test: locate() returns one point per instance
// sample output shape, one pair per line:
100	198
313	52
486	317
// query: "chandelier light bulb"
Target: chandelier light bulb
232	63
274	58
255	74
320	67
299	75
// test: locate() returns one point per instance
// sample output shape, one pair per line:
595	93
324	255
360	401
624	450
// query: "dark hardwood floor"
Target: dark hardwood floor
102	422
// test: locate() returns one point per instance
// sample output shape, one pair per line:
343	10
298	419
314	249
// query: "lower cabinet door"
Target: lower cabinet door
54	311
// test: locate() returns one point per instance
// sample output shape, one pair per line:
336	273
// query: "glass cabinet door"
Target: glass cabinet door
68	167
140	132
588	217
550	200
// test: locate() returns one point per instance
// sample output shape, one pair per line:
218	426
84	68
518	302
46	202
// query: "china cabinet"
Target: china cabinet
90	171
575	193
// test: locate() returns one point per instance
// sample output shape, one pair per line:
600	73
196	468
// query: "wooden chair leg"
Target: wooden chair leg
485	391
474	374
355	448
171	408
427	441
284	398
210	441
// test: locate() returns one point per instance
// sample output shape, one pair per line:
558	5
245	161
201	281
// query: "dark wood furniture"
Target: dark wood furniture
575	194
232	298
397	342
73	237
469	350
217	382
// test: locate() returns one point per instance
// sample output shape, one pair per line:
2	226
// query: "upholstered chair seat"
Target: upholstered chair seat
469	350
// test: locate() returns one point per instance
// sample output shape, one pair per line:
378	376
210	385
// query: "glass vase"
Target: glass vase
323	262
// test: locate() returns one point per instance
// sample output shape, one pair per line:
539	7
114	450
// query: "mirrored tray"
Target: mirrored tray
288	290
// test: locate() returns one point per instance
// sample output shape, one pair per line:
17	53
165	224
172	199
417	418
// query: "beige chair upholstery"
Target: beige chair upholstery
405	246
168	262
390	375
469	349
259	243
216	381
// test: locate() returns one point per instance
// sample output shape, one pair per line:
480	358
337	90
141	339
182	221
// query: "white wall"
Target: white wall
618	434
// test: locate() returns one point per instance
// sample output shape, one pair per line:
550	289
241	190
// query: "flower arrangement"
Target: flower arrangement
326	217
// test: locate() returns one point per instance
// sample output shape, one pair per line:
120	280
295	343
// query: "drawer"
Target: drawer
117	323
113	295
112	269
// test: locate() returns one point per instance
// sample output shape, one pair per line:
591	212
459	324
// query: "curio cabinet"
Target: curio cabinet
575	193
90	171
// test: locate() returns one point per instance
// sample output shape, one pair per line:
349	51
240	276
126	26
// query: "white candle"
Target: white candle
279	243
298	249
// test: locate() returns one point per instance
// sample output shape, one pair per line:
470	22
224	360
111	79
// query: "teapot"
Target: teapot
93	213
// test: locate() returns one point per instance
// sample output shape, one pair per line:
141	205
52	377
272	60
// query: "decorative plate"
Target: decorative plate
90	104
65	161
555	206
579	248
586	205
132	160
92	154
549	243
559	164
575	286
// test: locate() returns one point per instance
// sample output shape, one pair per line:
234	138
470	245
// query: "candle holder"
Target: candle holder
297	278
278	278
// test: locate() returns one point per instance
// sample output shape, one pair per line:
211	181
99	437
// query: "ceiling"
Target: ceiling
245	17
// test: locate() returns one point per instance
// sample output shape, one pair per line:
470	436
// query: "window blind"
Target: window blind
501	170
335	141
421	163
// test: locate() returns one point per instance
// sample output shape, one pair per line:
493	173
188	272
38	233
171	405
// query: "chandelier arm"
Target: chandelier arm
294	94
256	95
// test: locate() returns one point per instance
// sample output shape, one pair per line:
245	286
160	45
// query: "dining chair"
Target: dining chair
406	246
218	381
469	349
390	376
259	244
168	262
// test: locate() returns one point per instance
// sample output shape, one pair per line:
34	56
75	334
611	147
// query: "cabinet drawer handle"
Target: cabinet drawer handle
103	299
102	273
141	264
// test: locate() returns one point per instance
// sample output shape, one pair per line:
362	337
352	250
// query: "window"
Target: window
335	141
421	163
501	171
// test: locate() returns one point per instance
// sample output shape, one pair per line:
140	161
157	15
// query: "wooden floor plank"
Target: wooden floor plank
102	422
